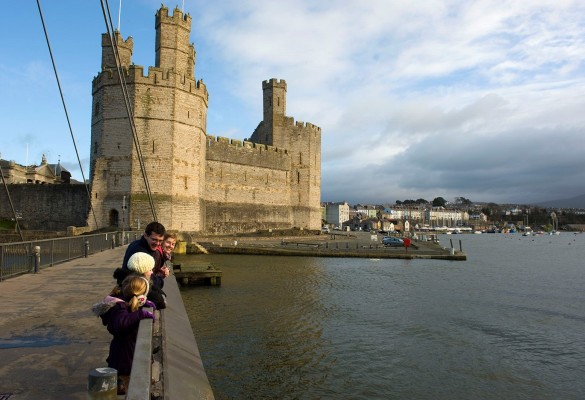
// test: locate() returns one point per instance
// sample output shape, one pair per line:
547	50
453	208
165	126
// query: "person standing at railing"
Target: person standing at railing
149	243
121	313
167	247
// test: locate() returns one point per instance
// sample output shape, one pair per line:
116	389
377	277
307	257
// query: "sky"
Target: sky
416	99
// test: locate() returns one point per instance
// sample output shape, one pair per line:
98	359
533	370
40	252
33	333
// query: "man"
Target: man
149	243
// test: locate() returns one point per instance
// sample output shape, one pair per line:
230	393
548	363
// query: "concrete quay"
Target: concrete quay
49	338
354	244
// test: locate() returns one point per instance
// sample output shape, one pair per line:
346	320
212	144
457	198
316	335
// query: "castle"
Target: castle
198	182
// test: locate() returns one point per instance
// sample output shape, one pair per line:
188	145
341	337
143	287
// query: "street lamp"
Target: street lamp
123	216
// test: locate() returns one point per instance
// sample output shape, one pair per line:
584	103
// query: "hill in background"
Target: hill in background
573	202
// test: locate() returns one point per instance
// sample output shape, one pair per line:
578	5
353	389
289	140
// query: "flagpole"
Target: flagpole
119	12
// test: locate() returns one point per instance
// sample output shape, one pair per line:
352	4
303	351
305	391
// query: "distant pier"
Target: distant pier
350	245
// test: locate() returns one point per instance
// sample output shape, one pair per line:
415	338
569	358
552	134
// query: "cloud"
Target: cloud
445	98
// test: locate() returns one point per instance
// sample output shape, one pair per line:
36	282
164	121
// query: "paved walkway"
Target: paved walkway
49	338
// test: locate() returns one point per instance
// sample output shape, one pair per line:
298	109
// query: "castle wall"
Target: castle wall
246	186
46	207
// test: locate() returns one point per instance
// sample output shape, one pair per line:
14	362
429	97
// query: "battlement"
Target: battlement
290	122
259	147
231	151
120	42
162	15
125	48
156	76
272	83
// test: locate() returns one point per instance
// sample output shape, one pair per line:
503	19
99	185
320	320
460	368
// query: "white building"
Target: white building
337	213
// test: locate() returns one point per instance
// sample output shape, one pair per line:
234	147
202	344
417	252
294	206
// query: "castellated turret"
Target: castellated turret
125	48
199	183
303	142
174	52
170	112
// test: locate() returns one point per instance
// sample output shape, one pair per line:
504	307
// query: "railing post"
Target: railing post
102	383
86	248
37	255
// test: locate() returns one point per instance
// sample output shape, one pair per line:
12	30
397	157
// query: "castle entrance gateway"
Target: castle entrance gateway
114	218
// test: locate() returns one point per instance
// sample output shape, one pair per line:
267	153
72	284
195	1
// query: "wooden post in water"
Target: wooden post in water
460	246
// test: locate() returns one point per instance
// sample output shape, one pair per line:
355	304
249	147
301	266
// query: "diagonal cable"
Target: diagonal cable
66	113
113	43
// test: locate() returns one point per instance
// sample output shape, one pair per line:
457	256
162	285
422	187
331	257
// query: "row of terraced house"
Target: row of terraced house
394	218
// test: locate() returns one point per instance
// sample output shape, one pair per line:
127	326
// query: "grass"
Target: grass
7	225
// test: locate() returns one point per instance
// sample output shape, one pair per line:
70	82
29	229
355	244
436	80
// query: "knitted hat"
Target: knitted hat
141	263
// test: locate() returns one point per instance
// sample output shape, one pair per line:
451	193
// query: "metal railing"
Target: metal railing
25	257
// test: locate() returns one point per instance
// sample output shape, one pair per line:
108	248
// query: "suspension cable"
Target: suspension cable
129	111
66	113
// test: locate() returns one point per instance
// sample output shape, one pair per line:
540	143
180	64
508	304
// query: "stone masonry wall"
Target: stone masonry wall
46	207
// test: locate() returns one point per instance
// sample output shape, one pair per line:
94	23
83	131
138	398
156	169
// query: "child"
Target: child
142	264
121	313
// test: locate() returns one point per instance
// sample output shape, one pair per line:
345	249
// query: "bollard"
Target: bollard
86	248
102	383
37	254
181	247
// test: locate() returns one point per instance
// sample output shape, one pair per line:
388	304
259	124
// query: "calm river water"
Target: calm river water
509	323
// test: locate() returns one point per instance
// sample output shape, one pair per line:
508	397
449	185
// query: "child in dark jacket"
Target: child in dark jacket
142	264
121	313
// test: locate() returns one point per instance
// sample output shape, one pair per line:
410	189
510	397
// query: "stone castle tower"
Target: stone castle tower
199	183
303	143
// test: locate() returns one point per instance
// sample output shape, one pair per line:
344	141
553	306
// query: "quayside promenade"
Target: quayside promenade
49	339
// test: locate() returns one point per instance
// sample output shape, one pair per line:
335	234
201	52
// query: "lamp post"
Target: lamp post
123	217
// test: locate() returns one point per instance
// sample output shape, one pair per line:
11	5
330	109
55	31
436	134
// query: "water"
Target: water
509	323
